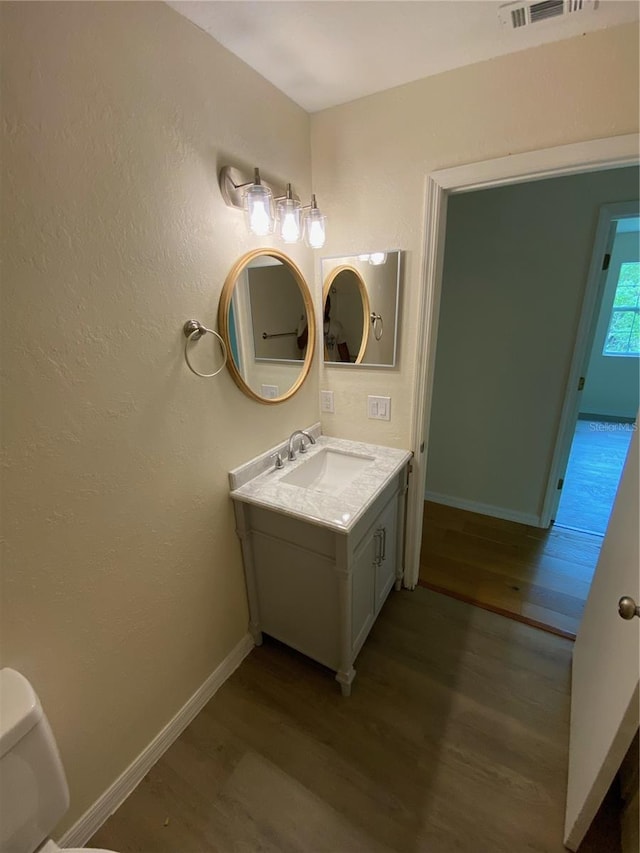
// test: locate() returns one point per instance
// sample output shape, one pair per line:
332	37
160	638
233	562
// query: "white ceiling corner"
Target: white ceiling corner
326	52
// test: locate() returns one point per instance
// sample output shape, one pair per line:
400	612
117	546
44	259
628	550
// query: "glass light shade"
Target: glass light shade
363	257
258	207
378	258
314	228
289	214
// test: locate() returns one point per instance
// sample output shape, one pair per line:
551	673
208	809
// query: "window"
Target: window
623	334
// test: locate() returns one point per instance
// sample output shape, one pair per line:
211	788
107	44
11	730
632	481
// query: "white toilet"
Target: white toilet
33	787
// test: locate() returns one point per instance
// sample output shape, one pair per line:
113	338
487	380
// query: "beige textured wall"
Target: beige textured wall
370	159
122	578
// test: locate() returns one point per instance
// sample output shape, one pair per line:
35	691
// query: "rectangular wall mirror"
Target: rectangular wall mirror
360	295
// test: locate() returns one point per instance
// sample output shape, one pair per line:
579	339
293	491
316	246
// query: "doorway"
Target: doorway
610	398
514	276
612	152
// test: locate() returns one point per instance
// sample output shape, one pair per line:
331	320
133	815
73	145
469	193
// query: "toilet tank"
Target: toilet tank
33	788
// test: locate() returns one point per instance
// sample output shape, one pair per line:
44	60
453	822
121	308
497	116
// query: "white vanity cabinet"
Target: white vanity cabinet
319	589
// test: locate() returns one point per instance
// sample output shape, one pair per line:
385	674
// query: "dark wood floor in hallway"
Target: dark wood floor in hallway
538	576
454	739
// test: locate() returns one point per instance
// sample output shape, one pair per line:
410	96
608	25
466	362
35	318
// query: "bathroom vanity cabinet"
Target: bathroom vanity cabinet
319	589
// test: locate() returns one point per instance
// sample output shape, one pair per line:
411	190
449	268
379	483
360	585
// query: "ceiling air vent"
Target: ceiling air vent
546	9
518	15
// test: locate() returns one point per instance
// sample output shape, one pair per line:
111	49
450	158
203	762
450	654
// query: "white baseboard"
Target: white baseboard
485	509
114	796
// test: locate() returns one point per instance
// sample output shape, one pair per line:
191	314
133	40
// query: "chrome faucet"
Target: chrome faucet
278	458
303	447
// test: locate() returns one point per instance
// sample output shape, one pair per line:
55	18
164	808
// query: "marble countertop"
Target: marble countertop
252	484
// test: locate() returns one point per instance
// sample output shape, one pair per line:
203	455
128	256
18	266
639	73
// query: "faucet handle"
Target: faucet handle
278	458
303	446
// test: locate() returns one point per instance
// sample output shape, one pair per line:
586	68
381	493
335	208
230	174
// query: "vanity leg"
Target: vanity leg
345	679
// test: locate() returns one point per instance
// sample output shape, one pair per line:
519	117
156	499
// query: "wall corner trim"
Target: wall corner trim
116	794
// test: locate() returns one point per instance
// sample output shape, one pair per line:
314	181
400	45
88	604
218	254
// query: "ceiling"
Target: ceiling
325	53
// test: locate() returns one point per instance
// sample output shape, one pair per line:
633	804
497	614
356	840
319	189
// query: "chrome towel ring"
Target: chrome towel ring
193	330
377	318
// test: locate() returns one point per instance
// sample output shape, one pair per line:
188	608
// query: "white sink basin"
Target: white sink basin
328	470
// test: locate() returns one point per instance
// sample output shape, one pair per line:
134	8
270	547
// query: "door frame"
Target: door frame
591	303
594	155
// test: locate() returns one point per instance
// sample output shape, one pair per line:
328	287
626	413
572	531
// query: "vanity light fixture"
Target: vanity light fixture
267	207
314	226
289	214
258	207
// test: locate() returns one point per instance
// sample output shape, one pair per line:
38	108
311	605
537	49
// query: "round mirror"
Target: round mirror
346	315
265	317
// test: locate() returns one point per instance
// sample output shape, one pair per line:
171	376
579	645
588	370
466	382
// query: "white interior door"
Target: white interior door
606	663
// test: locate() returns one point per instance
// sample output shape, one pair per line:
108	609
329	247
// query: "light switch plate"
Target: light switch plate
270	392
379	408
326	401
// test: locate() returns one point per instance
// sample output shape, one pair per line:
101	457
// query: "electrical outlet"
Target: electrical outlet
270	392
326	401
379	408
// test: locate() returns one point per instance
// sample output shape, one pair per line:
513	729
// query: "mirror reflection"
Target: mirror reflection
346	316
263	316
361	297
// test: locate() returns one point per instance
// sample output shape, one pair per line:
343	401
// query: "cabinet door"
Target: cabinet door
362	591
386	551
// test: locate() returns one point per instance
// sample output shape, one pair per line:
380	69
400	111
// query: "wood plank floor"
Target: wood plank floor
538	576
454	739
598	454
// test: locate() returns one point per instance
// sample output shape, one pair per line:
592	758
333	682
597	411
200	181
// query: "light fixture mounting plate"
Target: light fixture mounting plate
233	183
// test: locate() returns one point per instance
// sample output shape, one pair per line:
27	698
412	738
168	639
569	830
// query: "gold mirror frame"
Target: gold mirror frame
223	322
366	308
